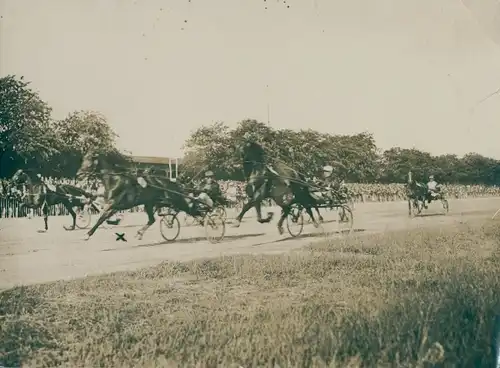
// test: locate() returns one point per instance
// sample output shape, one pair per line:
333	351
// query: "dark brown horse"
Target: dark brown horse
40	195
124	190
417	194
280	182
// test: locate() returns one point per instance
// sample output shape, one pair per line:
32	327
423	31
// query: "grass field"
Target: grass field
418	298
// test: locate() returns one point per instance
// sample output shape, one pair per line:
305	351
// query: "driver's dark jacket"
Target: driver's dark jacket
326	182
212	189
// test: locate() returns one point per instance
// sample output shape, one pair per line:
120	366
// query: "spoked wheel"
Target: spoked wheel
170	227
446	207
239	207
222	212
295	221
215	227
189	220
83	217
345	220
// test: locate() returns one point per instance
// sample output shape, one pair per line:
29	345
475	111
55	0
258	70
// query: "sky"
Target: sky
412	72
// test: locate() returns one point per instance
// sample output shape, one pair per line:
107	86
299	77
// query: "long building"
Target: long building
168	164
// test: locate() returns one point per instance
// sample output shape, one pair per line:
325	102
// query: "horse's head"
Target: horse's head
90	165
20	177
241	148
102	162
248	143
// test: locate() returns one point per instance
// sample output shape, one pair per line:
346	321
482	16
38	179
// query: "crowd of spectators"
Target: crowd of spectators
10	199
396	192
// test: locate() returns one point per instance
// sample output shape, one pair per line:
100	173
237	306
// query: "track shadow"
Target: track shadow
309	222
102	227
184	241
202	238
320	234
307	236
430	214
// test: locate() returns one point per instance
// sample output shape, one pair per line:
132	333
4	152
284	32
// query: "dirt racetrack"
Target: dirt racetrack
28	257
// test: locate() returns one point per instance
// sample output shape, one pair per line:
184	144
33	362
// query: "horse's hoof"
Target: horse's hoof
68	228
316	224
41	231
86	237
321	219
138	236
236	223
281	230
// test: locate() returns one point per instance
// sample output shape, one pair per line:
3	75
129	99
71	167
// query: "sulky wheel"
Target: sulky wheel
222	212
83	217
189	220
446	207
295	221
215	227
170	227
345	221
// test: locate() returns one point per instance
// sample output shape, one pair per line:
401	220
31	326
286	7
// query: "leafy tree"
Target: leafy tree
448	168
354	157
80	132
397	162
476	168
207	149
264	133
26	132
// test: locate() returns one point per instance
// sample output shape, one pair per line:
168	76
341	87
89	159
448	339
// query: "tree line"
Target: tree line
355	158
31	138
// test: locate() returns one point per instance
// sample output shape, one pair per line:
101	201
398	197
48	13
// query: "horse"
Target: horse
281	183
40	195
417	194
124	190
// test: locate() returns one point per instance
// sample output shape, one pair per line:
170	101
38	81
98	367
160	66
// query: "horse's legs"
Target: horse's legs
307	201
319	214
45	211
68	206
310	213
285	210
150	210
244	210
255	201
258	210
320	218
106	213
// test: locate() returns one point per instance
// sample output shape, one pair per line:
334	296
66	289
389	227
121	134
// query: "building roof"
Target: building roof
156	160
